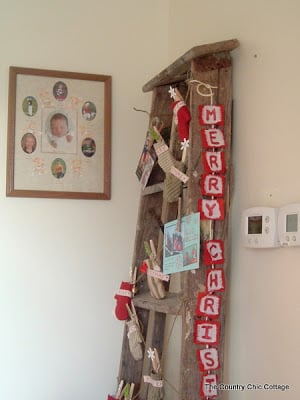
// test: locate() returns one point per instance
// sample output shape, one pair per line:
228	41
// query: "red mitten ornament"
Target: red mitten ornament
182	119
123	297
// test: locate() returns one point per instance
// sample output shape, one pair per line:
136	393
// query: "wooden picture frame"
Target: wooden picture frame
59	134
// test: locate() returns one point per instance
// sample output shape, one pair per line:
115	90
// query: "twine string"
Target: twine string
207	86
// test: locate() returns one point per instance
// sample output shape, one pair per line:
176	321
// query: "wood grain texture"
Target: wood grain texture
210	64
177	71
195	283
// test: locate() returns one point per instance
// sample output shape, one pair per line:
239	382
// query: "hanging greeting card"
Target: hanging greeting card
181	249
146	161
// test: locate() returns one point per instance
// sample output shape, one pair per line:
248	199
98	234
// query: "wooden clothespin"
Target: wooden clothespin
134	314
129	311
152	247
153	256
131	391
157	124
119	391
125	392
155	132
184	146
156	362
153	355
134	280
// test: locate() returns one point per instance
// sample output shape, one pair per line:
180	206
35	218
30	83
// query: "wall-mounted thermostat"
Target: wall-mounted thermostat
259	227
289	225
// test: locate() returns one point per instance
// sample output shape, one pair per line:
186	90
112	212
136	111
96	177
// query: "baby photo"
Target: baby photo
59	133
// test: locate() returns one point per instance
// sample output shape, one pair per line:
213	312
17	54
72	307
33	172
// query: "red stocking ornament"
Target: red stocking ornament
182	115
123	297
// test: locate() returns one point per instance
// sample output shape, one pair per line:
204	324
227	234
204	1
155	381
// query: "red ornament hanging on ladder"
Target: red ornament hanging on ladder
181	113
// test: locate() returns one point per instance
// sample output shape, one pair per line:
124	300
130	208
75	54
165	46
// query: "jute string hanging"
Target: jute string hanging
207	86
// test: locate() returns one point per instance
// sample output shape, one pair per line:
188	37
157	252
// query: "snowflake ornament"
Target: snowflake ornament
185	144
172	92
151	353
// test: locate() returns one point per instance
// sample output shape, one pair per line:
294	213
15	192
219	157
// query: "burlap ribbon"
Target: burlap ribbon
155	392
173	185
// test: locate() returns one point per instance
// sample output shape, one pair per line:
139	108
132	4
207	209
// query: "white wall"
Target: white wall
62	260
264	302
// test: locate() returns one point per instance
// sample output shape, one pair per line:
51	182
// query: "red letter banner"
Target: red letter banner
212	185
208	388
213	252
212	138
208	305
214	161
211	114
215	280
207	332
211	209
208	359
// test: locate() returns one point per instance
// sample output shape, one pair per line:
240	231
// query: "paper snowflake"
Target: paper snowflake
172	92
185	144
151	353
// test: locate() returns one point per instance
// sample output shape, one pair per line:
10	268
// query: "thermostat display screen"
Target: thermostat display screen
255	225
292	223
259	227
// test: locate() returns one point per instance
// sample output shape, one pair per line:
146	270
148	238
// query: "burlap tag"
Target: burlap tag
155	393
155	285
165	159
173	185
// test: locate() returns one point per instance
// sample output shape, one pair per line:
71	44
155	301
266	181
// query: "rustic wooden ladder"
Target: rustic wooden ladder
210	64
